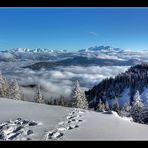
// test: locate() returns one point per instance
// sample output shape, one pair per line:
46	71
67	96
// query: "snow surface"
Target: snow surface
20	120
102	126
47	115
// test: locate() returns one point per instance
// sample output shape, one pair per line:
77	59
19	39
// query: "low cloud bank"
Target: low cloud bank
59	81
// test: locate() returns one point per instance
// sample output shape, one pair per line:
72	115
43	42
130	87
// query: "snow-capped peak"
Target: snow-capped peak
101	48
35	50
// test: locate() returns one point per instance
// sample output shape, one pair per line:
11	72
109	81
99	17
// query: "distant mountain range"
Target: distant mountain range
36	50
92	55
47	50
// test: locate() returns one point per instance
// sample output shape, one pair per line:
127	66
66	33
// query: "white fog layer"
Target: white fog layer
58	81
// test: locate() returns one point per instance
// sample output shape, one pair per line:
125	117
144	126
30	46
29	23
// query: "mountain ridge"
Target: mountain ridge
135	78
49	50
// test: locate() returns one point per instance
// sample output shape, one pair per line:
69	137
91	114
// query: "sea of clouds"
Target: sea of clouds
57	81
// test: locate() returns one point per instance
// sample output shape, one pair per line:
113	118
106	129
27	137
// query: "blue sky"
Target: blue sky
73	28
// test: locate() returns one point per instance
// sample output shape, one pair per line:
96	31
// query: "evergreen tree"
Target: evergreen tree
100	106
107	106
76	94
50	102
137	106
127	107
15	91
83	101
78	97
55	102
1	86
143	118
38	95
125	111
4	87
115	105
61	101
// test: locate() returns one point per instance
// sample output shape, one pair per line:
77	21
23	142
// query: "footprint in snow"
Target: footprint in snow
61	123
70	117
72	127
61	129
68	121
54	135
16	129
73	119
57	135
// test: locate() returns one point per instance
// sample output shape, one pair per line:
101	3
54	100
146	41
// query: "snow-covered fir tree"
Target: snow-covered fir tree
4	87
38	95
15	91
83	102
50	101
61	101
137	106
100	106
115	105
78	97
1	86
107	106
144	113
55	102
125	111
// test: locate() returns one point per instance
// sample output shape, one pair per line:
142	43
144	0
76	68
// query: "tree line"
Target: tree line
12	90
78	99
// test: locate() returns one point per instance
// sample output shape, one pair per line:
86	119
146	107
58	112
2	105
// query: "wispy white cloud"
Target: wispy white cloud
93	33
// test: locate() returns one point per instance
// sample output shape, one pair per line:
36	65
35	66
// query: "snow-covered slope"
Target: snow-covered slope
22	120
47	116
99	126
